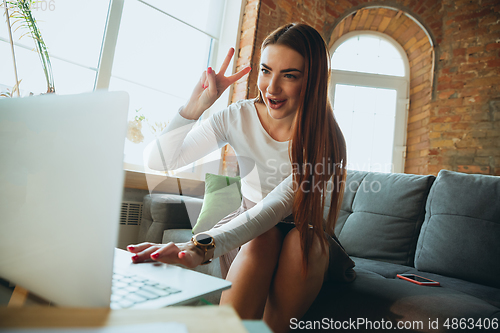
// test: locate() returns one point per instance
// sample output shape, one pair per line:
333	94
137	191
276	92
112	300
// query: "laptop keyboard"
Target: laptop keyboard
129	290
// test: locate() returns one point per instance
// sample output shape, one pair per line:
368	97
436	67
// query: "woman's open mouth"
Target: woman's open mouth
276	103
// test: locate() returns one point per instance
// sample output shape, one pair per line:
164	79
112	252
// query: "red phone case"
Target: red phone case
431	283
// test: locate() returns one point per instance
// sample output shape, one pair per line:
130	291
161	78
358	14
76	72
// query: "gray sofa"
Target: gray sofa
446	228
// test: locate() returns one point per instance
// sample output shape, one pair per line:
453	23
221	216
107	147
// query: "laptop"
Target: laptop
61	183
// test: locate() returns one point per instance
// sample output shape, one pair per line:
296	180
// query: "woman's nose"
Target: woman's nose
274	87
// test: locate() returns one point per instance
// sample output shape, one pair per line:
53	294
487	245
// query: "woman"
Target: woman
292	155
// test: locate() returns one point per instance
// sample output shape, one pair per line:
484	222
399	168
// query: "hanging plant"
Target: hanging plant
20	13
134	130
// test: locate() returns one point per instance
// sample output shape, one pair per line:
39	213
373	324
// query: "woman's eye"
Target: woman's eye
290	76
265	71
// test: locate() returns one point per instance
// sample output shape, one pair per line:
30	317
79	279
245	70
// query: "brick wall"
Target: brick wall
464	126
454	51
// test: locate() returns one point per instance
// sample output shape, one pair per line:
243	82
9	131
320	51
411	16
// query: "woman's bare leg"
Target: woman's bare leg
291	292
251	274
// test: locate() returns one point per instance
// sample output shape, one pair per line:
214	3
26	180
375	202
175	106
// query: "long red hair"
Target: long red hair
317	141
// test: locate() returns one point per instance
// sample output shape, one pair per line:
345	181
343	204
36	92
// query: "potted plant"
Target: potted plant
21	16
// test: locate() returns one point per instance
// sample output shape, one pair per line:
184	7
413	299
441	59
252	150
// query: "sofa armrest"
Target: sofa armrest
177	235
167	211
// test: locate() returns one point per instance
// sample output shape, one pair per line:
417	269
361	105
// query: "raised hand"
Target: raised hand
210	88
172	253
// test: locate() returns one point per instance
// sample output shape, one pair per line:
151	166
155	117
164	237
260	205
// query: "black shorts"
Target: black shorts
340	266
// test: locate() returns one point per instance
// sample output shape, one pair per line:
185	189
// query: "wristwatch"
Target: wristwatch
206	243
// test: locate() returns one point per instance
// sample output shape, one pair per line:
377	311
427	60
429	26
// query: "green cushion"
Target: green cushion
222	196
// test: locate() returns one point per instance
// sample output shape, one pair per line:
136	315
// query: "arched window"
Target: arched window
369	91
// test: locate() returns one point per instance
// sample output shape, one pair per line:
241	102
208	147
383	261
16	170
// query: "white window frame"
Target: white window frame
229	37
398	83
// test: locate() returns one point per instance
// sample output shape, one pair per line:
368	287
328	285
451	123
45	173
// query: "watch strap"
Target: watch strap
209	255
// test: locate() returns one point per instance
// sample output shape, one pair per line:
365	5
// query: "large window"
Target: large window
158	58
155	50
161	49
370	99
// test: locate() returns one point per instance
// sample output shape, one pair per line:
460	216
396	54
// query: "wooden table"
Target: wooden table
206	319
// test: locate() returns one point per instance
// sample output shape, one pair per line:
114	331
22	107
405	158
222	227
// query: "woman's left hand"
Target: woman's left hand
186	254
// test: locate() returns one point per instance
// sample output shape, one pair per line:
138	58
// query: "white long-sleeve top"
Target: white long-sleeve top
265	167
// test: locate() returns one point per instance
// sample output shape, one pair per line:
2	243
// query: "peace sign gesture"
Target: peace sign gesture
210	88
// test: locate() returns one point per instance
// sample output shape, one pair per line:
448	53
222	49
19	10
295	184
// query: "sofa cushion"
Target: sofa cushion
459	237
388	270
222	196
381	215
353	180
166	211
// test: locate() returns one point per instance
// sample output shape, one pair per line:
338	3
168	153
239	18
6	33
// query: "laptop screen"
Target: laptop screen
61	180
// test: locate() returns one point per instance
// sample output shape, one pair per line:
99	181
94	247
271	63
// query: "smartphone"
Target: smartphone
418	280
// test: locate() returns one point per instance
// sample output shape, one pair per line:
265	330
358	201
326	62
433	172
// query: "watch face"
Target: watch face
204	239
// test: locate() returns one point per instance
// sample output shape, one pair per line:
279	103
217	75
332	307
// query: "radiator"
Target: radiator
131	213
130	220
